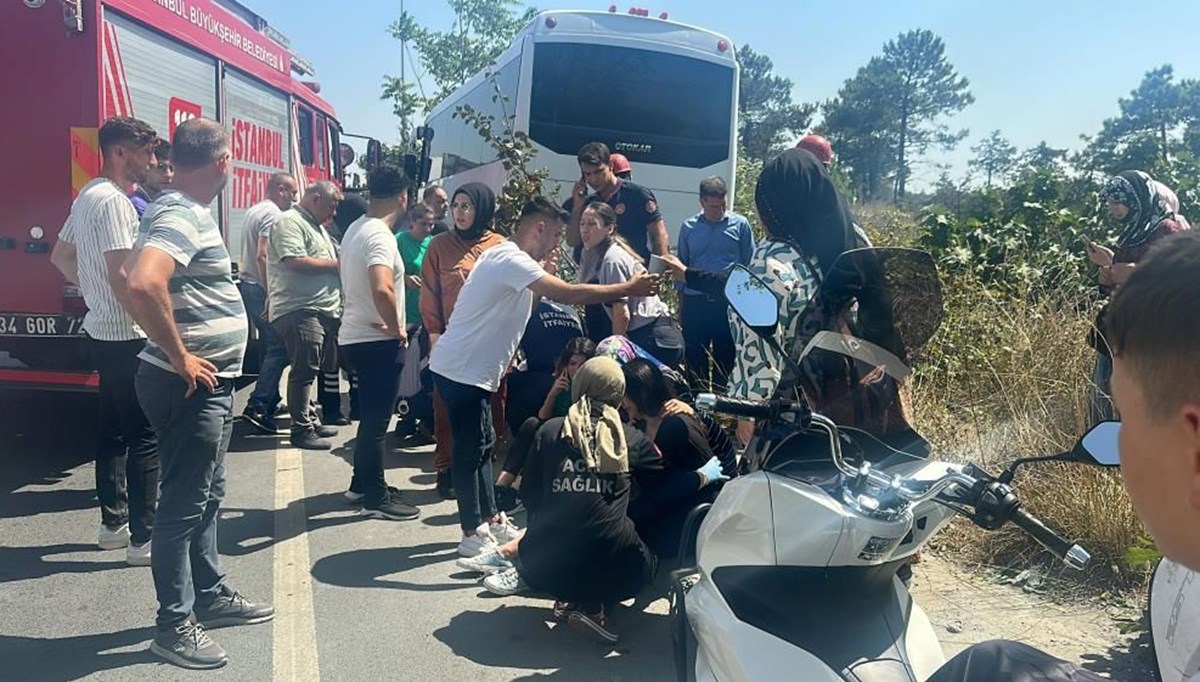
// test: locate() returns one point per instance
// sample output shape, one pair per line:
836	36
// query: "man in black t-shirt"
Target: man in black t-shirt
638	219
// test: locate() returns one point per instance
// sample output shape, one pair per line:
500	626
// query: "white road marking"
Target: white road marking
294	649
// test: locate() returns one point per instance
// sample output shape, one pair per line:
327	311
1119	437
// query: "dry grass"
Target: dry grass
1007	378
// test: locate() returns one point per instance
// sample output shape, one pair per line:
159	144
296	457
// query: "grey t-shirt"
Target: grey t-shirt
618	266
297	235
257	223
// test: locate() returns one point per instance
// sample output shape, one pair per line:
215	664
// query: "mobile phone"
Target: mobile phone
657	264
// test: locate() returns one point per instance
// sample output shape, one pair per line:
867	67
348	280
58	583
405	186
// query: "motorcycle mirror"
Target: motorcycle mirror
752	301
1099	445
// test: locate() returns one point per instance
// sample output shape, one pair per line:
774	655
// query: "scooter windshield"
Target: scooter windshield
871	316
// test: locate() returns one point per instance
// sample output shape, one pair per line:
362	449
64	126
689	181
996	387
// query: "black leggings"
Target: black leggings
518	451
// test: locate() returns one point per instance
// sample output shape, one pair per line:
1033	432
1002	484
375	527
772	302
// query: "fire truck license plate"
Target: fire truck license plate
22	324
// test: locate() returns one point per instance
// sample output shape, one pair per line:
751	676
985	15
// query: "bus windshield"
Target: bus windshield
652	106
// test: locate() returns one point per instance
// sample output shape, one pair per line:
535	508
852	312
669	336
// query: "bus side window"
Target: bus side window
304	119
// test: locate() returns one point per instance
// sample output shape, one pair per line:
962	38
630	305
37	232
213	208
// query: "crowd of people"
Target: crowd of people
472	330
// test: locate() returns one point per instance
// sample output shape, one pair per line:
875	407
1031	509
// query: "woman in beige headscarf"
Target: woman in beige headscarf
580	546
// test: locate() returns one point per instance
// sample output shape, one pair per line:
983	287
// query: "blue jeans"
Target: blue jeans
272	353
193	436
377	365
470	412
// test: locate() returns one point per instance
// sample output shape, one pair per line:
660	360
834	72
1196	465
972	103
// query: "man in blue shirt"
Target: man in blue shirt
712	240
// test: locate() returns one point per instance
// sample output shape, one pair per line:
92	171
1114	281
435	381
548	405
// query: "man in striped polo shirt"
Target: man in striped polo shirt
91	251
182	293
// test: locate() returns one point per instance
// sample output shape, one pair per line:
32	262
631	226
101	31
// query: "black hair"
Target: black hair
542	207
197	143
387	181
120	130
713	186
162	150
646	386
420	210
580	345
594	154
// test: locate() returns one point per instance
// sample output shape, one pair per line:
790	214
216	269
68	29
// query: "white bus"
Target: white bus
662	93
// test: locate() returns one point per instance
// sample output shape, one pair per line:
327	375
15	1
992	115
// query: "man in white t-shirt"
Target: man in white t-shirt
471	357
252	284
372	336
92	247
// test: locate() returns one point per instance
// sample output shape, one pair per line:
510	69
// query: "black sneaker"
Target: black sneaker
259	420
326	431
392	508
335	420
445	484
309	440
353	496
187	645
231	608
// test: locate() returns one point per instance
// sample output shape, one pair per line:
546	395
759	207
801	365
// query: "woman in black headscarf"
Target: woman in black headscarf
449	258
808	225
1147	211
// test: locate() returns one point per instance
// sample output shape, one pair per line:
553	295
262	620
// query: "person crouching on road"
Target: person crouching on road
471	358
373	336
581	547
305	303
181	292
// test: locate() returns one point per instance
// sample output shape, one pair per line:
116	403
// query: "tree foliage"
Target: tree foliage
482	30
766	113
892	111
995	157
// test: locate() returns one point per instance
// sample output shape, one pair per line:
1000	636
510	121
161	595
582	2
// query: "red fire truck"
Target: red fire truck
73	63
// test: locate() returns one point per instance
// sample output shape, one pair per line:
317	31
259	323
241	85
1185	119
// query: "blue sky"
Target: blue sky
1039	69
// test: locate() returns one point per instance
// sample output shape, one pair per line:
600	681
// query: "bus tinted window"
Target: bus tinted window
652	106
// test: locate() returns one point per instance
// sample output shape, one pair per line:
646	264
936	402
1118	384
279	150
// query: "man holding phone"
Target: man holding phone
638	219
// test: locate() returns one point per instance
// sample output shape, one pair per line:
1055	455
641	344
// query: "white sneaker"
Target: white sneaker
487	562
138	556
476	543
505	583
113	538
504	530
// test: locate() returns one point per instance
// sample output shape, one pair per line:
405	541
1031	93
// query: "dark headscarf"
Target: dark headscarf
484	200
798	203
1148	205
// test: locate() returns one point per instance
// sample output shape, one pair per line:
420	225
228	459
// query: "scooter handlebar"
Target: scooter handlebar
753	409
1070	553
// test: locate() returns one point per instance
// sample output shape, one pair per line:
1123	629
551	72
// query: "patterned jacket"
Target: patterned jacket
790	276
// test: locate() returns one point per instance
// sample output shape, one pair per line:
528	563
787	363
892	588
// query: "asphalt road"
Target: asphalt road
358	599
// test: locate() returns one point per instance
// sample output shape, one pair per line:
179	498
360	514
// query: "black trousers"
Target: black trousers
706	335
127	454
378	365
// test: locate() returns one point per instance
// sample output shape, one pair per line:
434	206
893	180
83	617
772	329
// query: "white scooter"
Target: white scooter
797	562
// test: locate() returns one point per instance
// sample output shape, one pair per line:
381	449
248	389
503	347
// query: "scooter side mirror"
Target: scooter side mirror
1099	445
752	300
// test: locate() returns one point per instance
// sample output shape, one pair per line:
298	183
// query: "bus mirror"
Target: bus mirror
374	153
424	133
412	166
426	169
